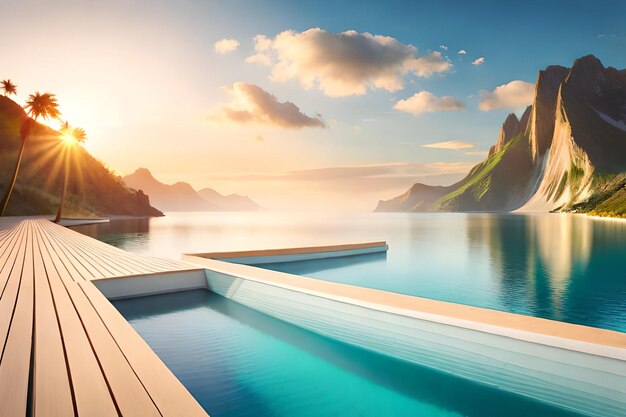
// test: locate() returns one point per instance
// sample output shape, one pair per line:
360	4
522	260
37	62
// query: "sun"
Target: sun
68	139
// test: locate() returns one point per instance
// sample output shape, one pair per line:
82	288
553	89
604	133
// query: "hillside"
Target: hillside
92	188
566	153
181	196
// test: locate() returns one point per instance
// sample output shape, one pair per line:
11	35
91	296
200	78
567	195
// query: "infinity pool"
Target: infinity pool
238	362
563	267
560	267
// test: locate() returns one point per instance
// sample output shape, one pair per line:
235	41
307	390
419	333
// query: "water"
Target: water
564	267
238	362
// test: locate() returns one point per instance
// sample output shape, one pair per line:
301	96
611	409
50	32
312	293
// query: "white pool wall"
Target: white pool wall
261	257
152	284
574	379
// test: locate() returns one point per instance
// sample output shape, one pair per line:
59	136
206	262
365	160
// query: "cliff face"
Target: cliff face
92	188
587	140
541	127
571	140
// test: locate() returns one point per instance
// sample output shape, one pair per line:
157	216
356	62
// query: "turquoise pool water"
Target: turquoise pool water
564	267
238	362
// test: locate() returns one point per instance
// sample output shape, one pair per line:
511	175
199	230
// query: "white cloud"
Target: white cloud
450	144
343	64
226	46
462	52
479	61
513	95
251	104
427	65
262	44
425	102
259	59
444	47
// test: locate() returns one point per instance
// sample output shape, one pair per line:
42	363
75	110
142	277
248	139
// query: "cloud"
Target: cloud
371	177
513	95
444	47
450	144
425	102
427	65
251	104
261	45
259	59
479	61
477	153
462	52
343	64
226	46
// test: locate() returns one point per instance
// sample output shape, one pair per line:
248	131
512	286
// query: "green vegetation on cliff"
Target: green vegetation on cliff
92	188
608	199
476	191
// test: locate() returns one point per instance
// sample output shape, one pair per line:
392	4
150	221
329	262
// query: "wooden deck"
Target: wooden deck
64	349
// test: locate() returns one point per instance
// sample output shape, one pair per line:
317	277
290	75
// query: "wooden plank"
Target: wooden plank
124	263
7	258
167	392
86	359
99	263
15	364
52	393
81	252
87	271
91	392
101	247
129	394
9	295
8	232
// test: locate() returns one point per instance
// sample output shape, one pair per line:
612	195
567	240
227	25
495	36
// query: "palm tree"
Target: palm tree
8	87
38	105
71	136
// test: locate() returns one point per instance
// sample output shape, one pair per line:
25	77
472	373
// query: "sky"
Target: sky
316	105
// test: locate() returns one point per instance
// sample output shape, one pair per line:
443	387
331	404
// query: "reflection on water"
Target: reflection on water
542	252
238	362
563	267
127	234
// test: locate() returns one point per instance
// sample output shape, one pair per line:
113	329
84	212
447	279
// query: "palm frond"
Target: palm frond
43	105
79	134
8	87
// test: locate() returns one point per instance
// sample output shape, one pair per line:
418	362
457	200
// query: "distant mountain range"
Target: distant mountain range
181	196
92	188
566	153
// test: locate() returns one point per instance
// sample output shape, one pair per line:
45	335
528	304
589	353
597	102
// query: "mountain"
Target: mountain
566	153
181	196
231	202
92	188
176	197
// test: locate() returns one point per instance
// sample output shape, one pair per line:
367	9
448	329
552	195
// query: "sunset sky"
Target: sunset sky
299	105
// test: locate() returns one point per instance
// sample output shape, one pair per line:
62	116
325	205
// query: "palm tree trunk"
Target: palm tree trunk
7	193
64	192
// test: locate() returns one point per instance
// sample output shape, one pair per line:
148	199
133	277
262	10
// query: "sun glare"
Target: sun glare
68	139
